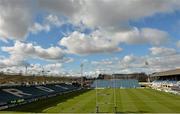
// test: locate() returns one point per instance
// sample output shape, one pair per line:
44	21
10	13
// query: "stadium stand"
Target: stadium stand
116	83
168	81
15	80
11	96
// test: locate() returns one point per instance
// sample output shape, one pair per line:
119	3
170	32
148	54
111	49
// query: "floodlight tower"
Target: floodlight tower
147	64
43	71
82	65
26	69
43	74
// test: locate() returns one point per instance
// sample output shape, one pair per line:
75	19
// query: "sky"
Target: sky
106	36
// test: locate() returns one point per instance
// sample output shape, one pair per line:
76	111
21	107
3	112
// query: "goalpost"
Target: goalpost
115	102
97	106
113	86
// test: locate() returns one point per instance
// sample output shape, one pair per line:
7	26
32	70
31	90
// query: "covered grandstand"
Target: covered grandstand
168	81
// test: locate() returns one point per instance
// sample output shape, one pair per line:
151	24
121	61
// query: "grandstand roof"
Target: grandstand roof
167	73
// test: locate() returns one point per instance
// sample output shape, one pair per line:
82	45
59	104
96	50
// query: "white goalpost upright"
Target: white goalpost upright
115	102
97	106
113	86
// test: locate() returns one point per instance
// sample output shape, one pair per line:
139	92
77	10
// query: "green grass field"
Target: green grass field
128	100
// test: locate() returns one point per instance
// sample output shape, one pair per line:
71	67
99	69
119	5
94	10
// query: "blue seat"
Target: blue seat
117	83
35	92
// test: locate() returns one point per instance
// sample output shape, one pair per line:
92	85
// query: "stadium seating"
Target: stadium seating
160	83
117	83
170	86
18	94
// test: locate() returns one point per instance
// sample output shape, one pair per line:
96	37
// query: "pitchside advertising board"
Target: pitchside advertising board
21	94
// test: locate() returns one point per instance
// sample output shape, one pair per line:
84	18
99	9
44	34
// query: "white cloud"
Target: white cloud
162	51
102	62
21	13
103	42
178	44
53	69
20	52
49	69
155	64
49	22
13	60
131	63
141	36
115	14
53	66
15	18
54	20
128	59
109	17
62	7
80	43
30	50
36	28
164	63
